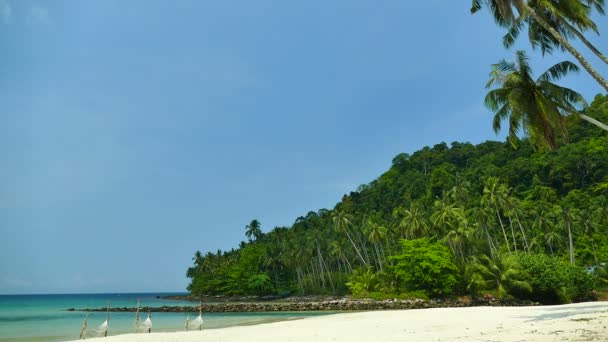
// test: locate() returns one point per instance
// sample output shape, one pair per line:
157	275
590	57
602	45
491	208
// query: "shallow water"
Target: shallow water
29	318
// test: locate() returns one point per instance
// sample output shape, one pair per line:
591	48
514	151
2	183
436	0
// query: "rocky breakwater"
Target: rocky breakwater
344	304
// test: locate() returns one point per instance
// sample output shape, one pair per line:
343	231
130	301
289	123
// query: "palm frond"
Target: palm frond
475	6
558	71
509	38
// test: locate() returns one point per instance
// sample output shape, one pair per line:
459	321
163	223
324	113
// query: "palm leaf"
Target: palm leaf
558	71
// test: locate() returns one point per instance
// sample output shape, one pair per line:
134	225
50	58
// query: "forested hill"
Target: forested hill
485	209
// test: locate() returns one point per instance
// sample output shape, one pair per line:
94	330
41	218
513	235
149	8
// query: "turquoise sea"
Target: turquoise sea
29	318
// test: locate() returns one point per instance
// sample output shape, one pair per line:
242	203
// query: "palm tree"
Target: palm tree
491	197
566	219
590	228
563	16
503	272
377	234
412	223
446	215
253	230
539	107
342	222
483	218
508	13
460	191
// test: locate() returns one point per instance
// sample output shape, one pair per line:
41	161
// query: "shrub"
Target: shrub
425	266
556	281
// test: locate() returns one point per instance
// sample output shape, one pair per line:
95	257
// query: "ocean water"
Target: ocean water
37	318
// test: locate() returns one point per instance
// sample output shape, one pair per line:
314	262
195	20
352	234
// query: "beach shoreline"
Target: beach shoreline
573	322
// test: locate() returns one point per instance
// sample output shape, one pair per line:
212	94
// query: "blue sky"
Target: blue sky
133	133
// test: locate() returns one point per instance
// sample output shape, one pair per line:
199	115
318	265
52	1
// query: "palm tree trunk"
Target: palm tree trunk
602	81
364	248
594	251
356	249
490	242
350	268
593	121
379	258
323	263
523	234
504	233
299	275
513	234
570	244
583	39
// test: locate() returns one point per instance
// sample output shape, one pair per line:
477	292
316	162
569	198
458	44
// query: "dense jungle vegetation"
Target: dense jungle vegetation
446	220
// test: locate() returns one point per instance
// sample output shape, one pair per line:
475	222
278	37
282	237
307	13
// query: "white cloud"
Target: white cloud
16	282
37	15
6	12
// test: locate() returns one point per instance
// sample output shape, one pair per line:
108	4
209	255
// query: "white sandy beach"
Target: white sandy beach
574	322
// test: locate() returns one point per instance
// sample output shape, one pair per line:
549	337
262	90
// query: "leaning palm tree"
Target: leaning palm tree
538	107
342	223
510	13
569	18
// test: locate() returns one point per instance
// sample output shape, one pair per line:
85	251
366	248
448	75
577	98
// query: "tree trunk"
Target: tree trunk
364	248
570	244
523	234
504	233
593	121
379	258
324	264
564	42
513	234
299	274
490	242
350	268
356	249
594	252
583	39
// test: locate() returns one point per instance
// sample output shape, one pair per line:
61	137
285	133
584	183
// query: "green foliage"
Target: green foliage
556	281
363	282
426	266
503	273
480	203
260	283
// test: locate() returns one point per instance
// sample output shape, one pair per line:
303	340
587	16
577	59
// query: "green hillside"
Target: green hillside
450	219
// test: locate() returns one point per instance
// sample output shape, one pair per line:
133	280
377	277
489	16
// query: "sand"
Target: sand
573	322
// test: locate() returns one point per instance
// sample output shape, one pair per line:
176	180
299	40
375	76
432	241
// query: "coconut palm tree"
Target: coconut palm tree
569	18
412	224
446	216
538	107
566	219
253	230
552	237
342	223
491	198
483	219
508	13
502	271
377	234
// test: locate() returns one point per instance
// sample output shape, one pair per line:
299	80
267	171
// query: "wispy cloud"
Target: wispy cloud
37	15
6	12
17	282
